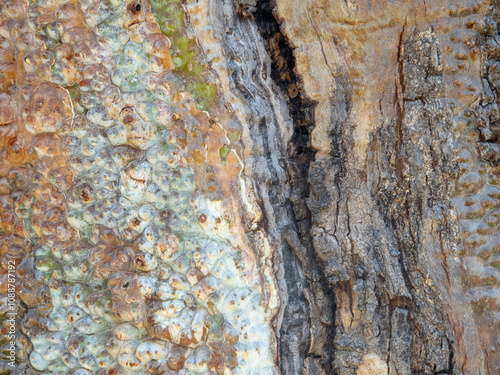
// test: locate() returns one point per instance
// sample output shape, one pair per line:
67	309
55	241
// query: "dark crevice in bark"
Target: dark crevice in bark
451	362
283	74
295	347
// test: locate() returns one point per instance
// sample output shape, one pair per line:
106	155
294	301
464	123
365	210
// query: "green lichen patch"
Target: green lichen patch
216	333
170	17
26	214
183	56
223	152
204	94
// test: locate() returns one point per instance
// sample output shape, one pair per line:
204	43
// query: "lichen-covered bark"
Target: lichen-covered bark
126	201
333	209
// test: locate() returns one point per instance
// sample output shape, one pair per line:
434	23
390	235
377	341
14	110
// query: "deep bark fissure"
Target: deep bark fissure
300	157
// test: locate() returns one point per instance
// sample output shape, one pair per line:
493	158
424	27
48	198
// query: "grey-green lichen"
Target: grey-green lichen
170	17
140	270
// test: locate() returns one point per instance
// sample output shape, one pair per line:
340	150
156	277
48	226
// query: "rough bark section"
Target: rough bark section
120	278
315	355
386	88
236	53
393	84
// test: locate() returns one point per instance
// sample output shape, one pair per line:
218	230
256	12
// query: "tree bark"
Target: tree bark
332	209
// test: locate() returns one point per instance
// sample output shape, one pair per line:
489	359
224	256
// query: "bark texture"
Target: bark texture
333	210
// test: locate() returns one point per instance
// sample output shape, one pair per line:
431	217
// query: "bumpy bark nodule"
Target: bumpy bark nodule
250	187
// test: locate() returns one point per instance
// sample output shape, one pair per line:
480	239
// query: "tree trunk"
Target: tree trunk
250	187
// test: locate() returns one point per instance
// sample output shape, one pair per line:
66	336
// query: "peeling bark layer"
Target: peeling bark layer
332	210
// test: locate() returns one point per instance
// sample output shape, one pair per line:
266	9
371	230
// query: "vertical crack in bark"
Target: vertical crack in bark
400	105
320	44
301	154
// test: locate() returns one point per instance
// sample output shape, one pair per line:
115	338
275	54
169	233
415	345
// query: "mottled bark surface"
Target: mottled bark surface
332	209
